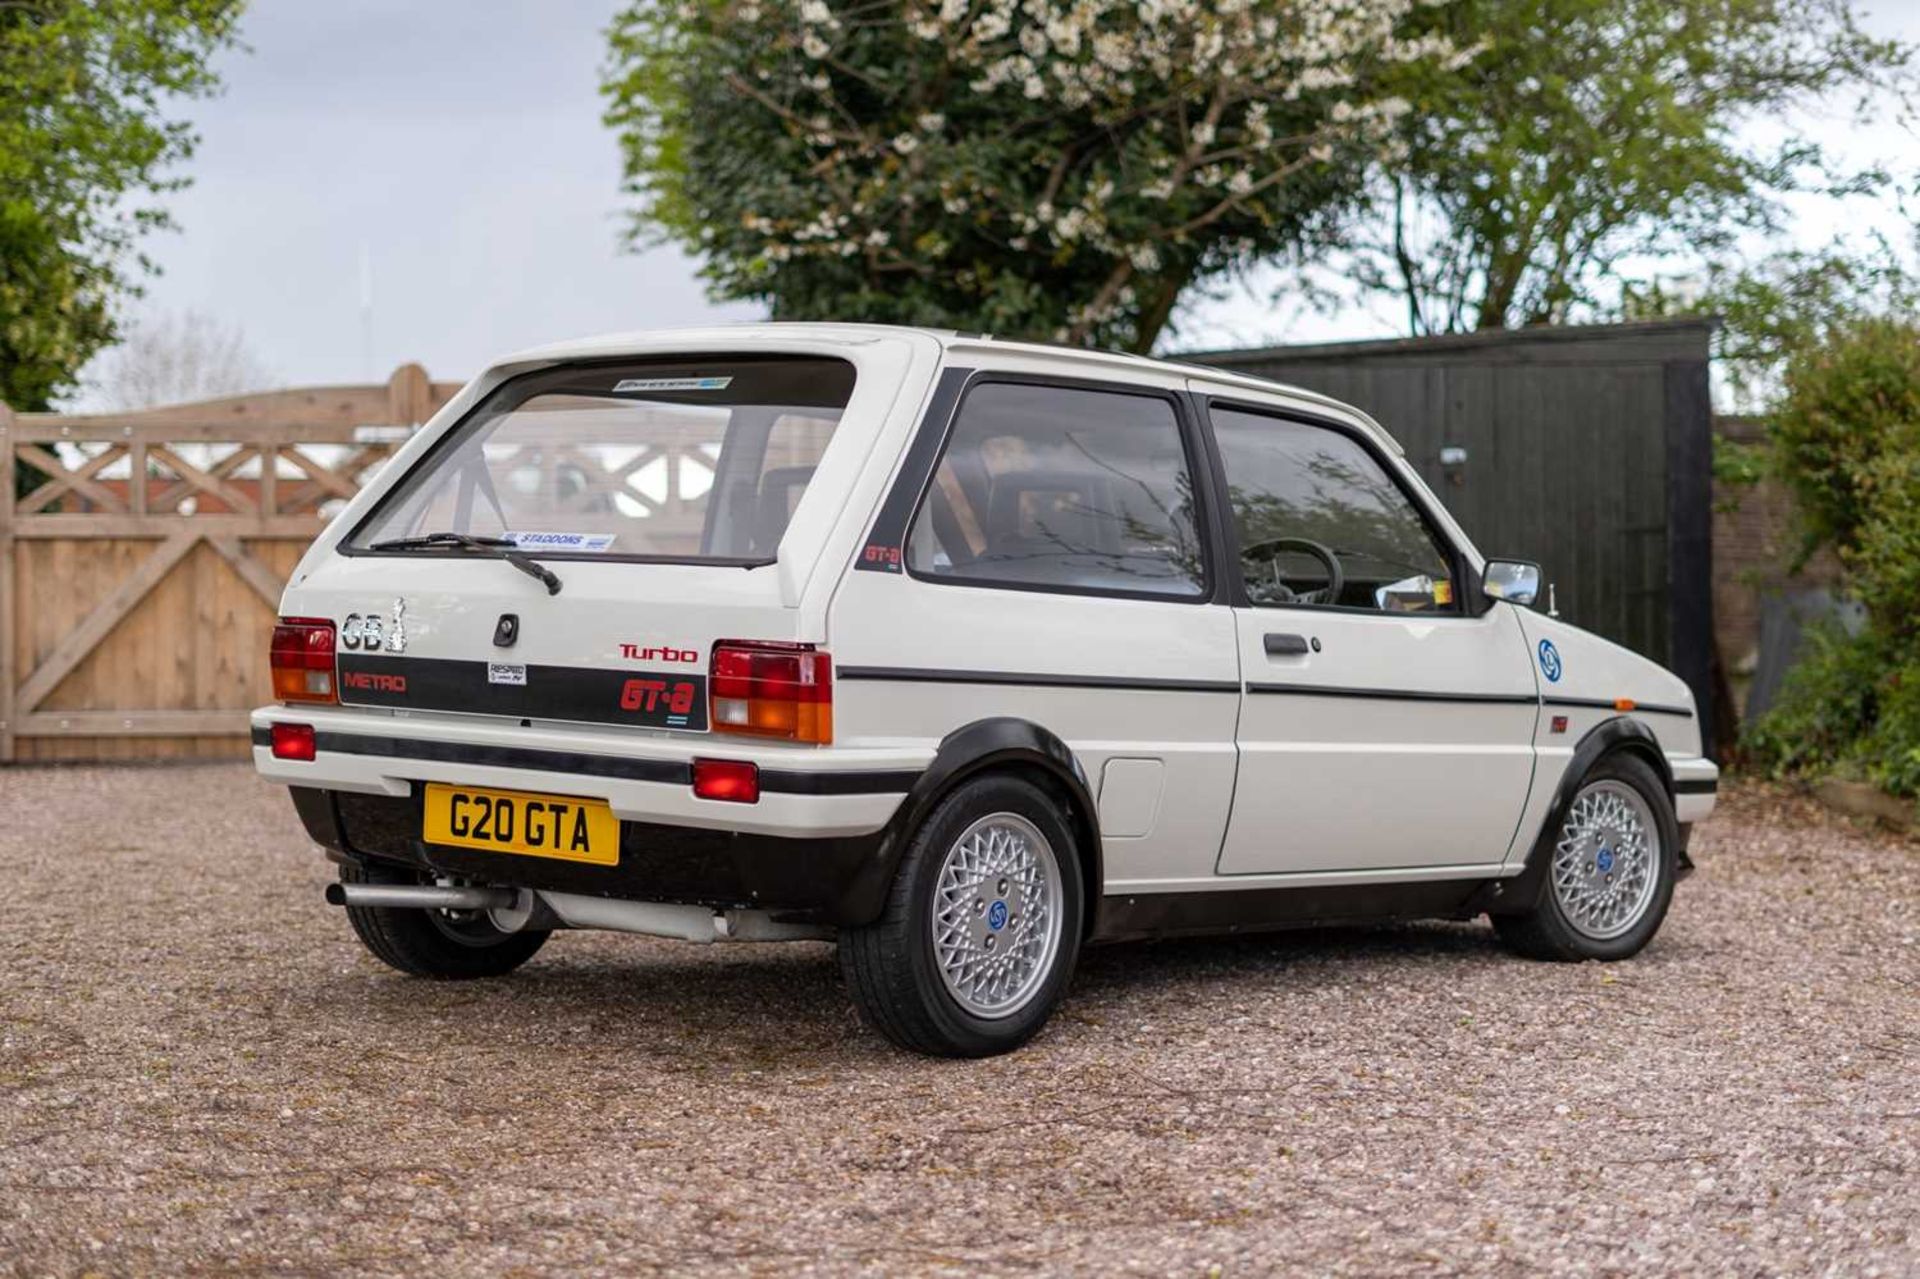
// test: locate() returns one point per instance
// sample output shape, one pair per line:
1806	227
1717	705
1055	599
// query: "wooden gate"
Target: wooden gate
142	557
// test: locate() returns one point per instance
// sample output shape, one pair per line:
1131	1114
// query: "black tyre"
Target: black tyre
1610	869
439	944
981	929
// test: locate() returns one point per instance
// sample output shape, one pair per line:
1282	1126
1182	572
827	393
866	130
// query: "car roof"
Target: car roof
641	341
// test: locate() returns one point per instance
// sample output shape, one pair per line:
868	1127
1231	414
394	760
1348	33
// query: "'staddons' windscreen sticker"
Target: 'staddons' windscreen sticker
593	543
626	385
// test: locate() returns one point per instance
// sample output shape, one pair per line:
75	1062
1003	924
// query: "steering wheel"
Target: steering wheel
1272	548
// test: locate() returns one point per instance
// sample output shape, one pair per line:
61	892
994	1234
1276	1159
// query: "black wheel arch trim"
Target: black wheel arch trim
1619	735
982	746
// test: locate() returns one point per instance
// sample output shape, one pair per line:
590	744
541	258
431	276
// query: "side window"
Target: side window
1049	487
1322	522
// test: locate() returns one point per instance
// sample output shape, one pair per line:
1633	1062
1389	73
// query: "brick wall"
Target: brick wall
1752	545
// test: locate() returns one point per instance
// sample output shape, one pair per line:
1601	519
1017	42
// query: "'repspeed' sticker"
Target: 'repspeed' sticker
626	385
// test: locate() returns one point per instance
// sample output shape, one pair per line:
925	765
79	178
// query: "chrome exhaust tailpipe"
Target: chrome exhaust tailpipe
419	896
512	910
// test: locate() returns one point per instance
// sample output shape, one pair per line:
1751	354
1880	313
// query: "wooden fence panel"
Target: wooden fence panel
141	566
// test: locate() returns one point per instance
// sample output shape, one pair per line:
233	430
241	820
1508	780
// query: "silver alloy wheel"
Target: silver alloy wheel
996	915
1606	864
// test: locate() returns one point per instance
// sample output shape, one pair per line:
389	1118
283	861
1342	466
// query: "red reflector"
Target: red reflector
1559	723
736	781
301	655
293	741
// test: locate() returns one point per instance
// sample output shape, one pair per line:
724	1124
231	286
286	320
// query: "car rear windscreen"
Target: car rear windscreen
684	459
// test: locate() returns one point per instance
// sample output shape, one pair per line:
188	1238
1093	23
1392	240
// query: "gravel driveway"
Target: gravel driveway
201	1071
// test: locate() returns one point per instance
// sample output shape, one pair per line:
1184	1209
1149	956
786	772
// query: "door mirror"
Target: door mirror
1515	581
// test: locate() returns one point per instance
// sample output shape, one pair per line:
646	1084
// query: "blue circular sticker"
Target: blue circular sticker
1604	860
1550	661
997	916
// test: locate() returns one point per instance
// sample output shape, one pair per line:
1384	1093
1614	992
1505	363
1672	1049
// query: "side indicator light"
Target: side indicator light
732	780
1623	703
293	741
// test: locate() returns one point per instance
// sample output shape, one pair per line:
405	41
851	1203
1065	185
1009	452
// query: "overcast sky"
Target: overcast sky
457	149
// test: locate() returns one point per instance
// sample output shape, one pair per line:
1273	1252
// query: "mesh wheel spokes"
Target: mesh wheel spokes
1606	863
996	915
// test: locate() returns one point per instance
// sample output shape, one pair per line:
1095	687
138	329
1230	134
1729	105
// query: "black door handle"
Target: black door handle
1286	645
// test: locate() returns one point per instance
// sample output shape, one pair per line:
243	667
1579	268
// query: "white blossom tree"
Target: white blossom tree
1033	167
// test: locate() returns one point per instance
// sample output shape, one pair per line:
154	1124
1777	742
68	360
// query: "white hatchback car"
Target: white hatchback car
962	652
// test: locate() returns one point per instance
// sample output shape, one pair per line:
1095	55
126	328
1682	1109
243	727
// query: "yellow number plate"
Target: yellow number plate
511	821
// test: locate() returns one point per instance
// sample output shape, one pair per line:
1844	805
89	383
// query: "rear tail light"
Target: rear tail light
293	741
302	659
772	690
734	780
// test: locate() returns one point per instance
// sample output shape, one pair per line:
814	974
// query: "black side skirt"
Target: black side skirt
1128	916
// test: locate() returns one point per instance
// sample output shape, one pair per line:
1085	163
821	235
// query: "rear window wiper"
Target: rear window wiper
508	548
439	541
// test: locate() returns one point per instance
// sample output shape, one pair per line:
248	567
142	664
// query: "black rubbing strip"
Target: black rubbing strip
1652	708
262	736
929	675
885	547
1695	786
1392	694
638	770
676	772
792	782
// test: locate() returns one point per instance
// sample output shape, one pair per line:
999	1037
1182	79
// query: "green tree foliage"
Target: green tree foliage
85	150
1846	437
1031	167
1789	301
1847	440
1827	704
1590	133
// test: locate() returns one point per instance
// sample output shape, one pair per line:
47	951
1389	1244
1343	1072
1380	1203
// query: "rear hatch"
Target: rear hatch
573	548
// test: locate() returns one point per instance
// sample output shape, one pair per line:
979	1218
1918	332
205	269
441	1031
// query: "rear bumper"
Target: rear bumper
804	792
816	848
834	881
1696	787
